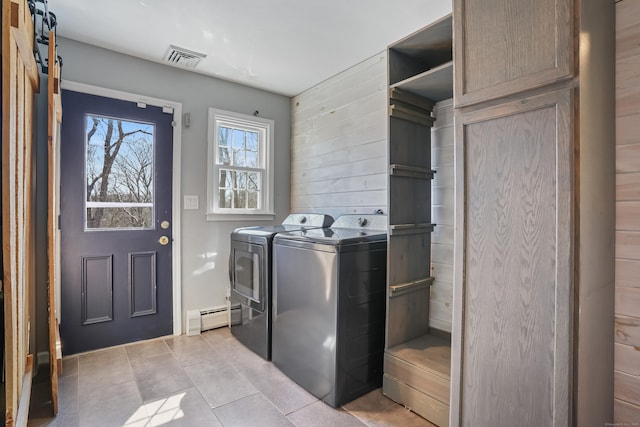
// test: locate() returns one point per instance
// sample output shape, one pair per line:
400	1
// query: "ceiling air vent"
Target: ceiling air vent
184	57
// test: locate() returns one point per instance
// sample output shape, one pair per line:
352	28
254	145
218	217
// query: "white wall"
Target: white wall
339	142
205	245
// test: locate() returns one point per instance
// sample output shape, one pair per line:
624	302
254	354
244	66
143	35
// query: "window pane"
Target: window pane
238	157
252	180
226	178
239	189
240	199
252	141
238	138
131	217
241	182
225	199
252	159
224	157
119	168
224	136
252	202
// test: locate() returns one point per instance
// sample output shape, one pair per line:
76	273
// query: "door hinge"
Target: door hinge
141	105
59	226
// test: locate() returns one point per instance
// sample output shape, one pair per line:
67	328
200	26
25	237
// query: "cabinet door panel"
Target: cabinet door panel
506	47
514	274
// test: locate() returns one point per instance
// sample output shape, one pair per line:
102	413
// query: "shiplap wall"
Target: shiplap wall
442	214
339	157
627	309
339	142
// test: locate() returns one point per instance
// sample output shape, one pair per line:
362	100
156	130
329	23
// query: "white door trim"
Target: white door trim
176	206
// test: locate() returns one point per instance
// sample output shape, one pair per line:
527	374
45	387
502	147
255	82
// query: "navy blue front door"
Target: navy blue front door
115	222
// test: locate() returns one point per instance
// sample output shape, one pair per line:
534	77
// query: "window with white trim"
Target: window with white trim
240	170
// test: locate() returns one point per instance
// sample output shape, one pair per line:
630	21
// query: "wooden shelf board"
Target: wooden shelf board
404	229
397	95
427	352
408	287
435	84
407	171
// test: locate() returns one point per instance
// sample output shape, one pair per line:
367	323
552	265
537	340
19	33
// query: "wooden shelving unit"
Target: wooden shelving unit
417	363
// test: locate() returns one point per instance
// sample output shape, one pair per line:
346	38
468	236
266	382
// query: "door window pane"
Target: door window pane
120	217
119	164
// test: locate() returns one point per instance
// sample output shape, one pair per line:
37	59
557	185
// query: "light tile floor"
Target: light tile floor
205	380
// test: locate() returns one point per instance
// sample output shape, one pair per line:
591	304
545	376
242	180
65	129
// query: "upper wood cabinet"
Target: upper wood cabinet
532	335
504	47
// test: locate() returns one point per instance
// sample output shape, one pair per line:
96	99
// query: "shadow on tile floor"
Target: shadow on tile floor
204	380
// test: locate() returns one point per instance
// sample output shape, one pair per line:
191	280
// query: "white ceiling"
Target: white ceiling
283	46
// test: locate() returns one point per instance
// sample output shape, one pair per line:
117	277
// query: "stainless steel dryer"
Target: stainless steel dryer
329	307
250	276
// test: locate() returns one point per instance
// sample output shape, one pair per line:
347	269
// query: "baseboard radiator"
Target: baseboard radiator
211	318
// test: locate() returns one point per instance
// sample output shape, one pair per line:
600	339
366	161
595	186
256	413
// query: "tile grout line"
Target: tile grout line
258	391
195	386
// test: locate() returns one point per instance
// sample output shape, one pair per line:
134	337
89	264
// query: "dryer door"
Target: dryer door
248	274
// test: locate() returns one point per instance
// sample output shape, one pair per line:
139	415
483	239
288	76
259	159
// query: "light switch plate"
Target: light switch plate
190	202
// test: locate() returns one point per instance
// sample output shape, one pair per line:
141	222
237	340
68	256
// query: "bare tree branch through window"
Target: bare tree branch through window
119	173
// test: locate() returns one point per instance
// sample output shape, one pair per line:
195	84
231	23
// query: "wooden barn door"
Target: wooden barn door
20	80
54	119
